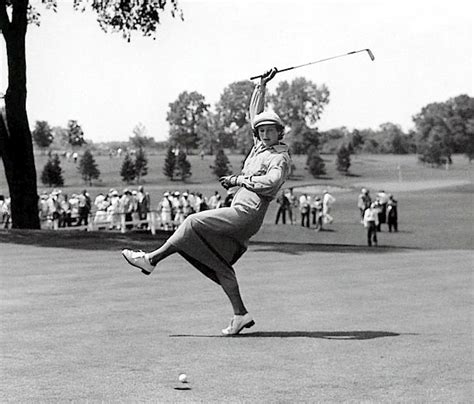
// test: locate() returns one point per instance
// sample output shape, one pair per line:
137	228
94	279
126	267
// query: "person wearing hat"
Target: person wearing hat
371	221
392	214
213	240
363	202
328	200
317	213
165	207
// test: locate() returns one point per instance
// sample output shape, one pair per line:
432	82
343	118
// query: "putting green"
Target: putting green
389	326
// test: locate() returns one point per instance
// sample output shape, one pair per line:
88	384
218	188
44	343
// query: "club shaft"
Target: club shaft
319	61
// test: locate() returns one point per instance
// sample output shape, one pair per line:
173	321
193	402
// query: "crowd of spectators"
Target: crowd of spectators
373	213
133	208
111	210
313	210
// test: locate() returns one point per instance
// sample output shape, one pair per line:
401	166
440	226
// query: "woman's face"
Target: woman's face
268	134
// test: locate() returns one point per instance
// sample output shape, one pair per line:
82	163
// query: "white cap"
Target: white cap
267	118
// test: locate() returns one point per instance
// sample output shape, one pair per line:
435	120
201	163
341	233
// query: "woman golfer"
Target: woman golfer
213	240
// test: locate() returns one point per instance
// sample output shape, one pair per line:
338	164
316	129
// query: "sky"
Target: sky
423	53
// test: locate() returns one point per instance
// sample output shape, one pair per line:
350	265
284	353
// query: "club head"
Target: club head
372	57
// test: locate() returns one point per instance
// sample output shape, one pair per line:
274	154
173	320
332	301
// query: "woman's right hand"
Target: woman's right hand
268	75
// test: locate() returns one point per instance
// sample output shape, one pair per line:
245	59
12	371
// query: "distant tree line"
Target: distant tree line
440	129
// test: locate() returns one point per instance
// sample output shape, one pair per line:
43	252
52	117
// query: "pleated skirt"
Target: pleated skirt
213	240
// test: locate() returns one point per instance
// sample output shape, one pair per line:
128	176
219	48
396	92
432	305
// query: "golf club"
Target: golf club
372	57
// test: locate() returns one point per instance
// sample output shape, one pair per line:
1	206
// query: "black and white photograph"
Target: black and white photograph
209	201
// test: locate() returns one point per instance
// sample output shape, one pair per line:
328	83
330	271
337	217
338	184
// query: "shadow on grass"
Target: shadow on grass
352	175
337	335
115	241
299	248
83	240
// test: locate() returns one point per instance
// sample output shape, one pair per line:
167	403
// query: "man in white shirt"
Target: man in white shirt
371	221
328	200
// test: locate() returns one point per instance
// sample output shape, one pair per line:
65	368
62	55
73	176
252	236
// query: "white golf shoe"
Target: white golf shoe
238	323
138	259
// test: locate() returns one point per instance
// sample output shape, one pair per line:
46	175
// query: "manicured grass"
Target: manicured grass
336	321
391	326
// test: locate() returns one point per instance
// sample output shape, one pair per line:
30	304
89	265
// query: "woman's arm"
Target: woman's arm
257	101
263	184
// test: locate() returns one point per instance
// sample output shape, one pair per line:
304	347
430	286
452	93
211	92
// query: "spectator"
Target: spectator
317	213
371	221
229	197
113	210
43	208
52	210
178	210
363	203
101	203
84	205
143	203
4	212
214	200
378	207
126	206
165	207
203	205
74	201
392	214
293	203
383	200
64	211
283	204
328	200
305	204
187	207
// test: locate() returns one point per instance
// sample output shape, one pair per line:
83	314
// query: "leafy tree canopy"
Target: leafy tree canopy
185	117
300	101
42	134
140	140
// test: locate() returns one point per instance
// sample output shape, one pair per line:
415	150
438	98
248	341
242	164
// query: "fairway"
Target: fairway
336	321
388	326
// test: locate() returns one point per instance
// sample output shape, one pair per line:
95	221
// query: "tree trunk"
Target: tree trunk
16	146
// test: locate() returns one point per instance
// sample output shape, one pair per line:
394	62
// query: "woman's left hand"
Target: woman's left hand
228	181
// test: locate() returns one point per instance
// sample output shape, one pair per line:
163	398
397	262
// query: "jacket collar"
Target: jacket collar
279	148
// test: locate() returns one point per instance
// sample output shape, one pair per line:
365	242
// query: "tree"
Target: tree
331	139
357	140
315	163
208	129
16	145
42	134
232	112
88	167
391	139
221	165
141	164
300	105
469	144
170	163
185	118
52	173
139	140
445	127
434	152
343	159
127	171
75	134
183	166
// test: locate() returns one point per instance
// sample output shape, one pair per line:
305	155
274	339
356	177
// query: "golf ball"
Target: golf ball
182	378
